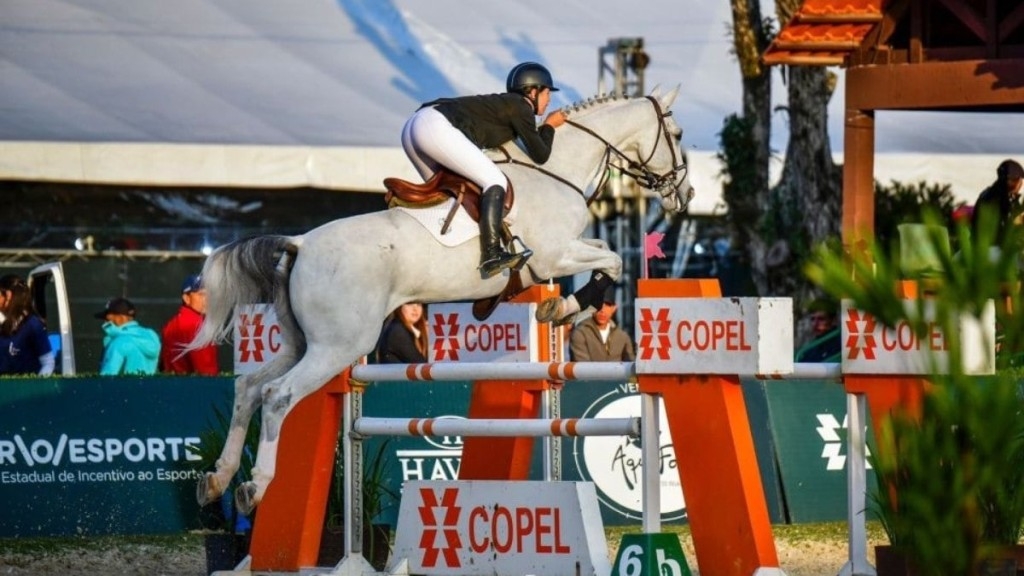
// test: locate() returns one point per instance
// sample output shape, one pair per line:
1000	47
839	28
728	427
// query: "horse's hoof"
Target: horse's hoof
550	310
565	320
245	498
207	489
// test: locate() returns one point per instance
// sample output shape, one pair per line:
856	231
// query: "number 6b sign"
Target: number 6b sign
650	555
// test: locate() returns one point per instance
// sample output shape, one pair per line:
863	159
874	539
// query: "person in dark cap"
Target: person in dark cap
1000	202
598	339
128	347
179	331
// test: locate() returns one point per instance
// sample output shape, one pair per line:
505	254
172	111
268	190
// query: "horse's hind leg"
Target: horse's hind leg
279	397
247	398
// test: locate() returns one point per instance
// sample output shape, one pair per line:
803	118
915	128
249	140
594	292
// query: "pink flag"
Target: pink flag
652	249
652	246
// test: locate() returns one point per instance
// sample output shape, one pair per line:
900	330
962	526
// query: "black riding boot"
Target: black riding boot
494	258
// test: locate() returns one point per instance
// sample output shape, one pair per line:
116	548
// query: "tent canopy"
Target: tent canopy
277	94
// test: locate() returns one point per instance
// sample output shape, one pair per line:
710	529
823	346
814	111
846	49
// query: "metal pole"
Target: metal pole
856	485
649	447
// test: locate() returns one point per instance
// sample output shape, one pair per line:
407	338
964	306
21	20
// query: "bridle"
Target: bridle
664	184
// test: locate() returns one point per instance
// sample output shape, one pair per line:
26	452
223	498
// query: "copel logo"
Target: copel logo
255	336
654	340
865	336
658	335
493	528
458	336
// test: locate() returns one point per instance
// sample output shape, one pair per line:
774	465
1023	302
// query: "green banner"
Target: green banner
87	456
809	425
110	455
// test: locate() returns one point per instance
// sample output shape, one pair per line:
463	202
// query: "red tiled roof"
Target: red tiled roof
823	32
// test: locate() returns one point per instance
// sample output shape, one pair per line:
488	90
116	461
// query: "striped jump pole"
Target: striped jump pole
367	426
558	371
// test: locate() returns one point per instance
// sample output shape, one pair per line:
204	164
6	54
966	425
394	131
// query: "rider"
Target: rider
451	133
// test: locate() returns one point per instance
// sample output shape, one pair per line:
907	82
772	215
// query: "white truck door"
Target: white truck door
40	279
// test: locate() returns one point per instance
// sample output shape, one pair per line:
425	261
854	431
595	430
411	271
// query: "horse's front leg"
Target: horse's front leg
213	484
582	254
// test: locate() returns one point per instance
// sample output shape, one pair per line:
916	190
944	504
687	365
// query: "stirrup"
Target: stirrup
524	253
496	264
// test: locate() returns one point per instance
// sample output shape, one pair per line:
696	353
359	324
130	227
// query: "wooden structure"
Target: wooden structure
947	55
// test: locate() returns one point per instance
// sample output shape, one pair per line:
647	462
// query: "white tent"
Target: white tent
268	93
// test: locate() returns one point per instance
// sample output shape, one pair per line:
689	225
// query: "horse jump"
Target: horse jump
333	286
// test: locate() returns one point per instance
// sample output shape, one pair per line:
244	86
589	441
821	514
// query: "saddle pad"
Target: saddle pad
462	229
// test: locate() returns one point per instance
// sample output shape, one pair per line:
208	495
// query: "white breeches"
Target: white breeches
430	141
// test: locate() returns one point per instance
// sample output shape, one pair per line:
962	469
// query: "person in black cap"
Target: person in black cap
598	339
1001	200
128	347
181	329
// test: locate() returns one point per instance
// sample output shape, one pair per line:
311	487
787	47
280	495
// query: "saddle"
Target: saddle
443	185
446	184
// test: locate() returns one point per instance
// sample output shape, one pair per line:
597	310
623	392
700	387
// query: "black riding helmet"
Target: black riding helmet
529	75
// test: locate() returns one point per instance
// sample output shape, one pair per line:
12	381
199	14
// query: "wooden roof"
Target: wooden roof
823	32
860	32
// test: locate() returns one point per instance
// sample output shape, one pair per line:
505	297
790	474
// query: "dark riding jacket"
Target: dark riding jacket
492	119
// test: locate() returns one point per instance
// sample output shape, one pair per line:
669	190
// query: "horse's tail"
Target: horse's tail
251	271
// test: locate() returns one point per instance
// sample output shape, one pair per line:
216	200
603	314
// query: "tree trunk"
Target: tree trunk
776	228
746	187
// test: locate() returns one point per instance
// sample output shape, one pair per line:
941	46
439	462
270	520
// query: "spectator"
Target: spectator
1000	200
404	339
181	329
24	345
826	342
128	347
598	339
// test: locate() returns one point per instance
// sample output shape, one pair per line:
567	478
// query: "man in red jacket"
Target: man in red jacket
181	329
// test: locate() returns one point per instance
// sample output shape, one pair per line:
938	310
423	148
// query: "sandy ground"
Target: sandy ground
797	558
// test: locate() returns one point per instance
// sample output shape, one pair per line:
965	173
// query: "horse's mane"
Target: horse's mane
582	107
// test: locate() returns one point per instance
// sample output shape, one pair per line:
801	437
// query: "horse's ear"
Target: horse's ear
656	93
666	100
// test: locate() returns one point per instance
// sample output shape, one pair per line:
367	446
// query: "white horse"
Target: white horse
333	286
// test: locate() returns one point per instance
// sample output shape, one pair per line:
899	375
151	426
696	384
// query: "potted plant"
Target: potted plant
378	497
227	542
951	478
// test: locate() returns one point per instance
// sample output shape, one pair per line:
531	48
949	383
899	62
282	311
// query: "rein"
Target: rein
635	170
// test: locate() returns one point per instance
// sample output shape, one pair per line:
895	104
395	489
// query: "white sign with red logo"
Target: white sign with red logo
506	336
729	336
871	348
257	336
485	527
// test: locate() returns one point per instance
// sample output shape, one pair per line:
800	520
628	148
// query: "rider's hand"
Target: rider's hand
555	119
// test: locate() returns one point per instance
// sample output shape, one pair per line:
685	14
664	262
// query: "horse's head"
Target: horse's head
661	164
642	140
